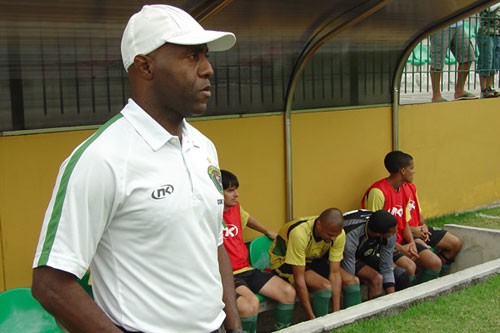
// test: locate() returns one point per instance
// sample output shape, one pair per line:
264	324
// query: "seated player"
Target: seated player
307	252
248	280
368	252
389	194
446	244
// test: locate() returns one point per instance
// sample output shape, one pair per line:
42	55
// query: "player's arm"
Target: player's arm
254	224
349	260
232	320
60	294
375	200
386	265
302	291
336	282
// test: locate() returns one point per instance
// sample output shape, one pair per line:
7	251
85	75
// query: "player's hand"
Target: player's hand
410	250
272	234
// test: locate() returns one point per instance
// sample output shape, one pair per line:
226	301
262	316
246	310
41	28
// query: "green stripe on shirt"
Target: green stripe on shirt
61	192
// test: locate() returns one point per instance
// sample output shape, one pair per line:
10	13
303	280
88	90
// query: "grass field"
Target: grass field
474	309
483	218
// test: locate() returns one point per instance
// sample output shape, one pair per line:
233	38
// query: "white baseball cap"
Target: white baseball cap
156	25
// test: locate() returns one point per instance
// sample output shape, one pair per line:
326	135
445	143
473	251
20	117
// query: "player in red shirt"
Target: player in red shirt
248	280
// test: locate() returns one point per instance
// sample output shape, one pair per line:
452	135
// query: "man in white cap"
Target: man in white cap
140	202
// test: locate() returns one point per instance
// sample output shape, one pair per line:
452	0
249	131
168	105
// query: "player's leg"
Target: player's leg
428	261
447	244
405	263
248	307
372	279
351	293
321	291
283	293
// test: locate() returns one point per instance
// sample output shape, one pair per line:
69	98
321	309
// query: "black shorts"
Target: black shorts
253	279
436	236
371	261
320	266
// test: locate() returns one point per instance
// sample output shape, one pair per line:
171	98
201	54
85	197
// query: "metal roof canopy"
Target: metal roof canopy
385	30
370	39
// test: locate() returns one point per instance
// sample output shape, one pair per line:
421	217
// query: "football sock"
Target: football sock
445	268
283	315
429	274
249	324
351	295
321	302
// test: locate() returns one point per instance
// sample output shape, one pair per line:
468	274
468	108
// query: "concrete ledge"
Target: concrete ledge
399	301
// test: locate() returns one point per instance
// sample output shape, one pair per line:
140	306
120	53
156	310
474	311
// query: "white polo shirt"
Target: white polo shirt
145	213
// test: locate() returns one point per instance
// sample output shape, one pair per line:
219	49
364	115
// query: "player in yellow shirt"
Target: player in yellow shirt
307	252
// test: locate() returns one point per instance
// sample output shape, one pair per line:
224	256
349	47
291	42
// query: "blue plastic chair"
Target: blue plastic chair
21	313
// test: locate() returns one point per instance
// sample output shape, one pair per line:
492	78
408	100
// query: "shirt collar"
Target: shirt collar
152	132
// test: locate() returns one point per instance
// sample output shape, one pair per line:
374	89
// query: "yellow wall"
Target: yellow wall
457	153
336	156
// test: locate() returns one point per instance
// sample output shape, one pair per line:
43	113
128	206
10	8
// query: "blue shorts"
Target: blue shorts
488	62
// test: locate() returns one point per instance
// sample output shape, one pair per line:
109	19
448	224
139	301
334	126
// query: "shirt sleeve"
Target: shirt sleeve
244	217
337	249
386	265
84	199
375	200
296	248
351	245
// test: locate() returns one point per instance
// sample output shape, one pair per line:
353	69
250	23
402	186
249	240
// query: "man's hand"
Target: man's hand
421	232
409	250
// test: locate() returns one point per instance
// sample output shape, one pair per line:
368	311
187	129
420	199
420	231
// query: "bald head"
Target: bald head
332	217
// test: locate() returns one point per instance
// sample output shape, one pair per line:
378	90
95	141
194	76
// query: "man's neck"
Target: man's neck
395	181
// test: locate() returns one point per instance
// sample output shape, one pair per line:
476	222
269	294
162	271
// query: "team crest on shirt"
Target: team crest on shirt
215	175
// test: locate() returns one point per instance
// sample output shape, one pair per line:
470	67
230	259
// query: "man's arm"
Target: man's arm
336	282
386	265
302	291
257	226
232	320
60	294
351	246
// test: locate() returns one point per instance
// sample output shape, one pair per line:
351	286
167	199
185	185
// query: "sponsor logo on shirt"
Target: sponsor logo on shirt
162	192
396	211
216	177
229	231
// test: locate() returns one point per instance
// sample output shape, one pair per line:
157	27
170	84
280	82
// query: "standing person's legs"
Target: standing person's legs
484	62
439	42
463	50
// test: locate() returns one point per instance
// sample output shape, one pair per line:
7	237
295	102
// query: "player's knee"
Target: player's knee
247	307
408	265
288	292
431	261
349	279
377	280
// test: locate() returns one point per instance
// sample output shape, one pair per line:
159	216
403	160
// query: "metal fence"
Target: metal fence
417	72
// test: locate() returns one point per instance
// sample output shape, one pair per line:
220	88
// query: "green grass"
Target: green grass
475	309
482	218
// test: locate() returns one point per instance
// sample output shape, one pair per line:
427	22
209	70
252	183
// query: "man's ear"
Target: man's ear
144	66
